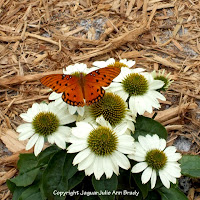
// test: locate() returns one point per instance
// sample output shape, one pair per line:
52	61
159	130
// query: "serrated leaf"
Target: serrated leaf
171	193
145	125
104	184
190	165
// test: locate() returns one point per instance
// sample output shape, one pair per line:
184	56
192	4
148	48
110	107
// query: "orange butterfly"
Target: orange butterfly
79	89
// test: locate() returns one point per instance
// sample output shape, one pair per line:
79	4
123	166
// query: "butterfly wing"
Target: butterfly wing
68	85
95	80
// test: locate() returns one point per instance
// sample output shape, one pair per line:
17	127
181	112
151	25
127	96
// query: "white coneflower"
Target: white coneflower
114	110
45	121
71	69
156	159
101	148
165	78
139	89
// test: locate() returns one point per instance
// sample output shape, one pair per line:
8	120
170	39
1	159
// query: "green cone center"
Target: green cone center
112	107
135	84
45	123
156	159
102	141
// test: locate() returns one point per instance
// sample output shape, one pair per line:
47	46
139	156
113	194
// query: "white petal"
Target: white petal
65	130
73	148
87	162
114	87
67	119
121	160
156	84
98	167
115	165
24	128
72	109
35	109
164	179
153	179
146	175
162	144
26	135
27	117
120	129
169	177
144	143
32	141
43	107
108	166
82	130
100	120
124	95
139	167
136	158
54	96
81	110
39	145
81	156
173	170
170	150
174	157
51	139
158	95
59	140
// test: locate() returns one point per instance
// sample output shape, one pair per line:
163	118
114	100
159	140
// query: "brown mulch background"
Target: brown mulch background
40	37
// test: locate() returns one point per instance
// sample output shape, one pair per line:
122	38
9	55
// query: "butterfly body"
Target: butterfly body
81	89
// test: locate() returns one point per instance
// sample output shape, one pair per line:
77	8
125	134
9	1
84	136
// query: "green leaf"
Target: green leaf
27	162
145	125
76	179
106	185
54	176
31	193
57	174
171	193
190	165
17	193
144	188
26	178
44	157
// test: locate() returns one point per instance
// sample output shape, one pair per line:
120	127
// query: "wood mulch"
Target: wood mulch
41	37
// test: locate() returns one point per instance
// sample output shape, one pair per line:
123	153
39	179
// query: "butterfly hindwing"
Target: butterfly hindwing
66	84
93	93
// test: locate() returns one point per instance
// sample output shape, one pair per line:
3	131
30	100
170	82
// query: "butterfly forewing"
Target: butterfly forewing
102	77
66	84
